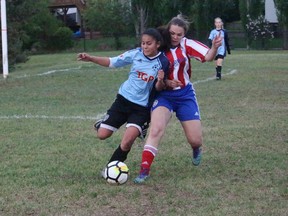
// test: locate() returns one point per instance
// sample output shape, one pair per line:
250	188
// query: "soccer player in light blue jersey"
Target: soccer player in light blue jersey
135	96
221	52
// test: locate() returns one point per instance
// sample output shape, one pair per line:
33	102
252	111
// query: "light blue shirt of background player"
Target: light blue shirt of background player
222	48
143	73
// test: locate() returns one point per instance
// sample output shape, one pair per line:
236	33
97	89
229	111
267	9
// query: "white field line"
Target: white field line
50	72
52	117
213	78
98	116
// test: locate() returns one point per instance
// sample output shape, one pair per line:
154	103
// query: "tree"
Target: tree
259	29
140	10
29	22
111	17
253	8
282	13
149	13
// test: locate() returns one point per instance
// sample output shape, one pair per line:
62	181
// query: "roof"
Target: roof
80	4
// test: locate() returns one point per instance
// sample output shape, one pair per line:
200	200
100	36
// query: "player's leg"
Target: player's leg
189	115
112	120
159	120
120	154
138	117
103	133
219	63
193	132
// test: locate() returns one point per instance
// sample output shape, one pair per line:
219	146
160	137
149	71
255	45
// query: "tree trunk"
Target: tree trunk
143	19
285	37
140	21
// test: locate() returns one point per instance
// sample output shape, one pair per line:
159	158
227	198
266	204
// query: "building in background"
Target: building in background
69	11
270	11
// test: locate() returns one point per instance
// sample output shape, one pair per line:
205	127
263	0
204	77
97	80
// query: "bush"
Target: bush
61	39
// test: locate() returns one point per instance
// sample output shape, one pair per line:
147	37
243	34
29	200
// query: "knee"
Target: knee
195	141
156	132
127	144
103	134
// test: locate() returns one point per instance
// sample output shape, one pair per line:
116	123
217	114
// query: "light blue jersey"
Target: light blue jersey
222	49
142	75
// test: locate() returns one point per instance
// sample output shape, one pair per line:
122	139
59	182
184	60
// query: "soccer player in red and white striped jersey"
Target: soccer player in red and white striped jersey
179	97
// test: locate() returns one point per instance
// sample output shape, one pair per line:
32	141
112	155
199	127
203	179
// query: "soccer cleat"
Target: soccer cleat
143	176
141	179
197	154
144	131
218	75
97	124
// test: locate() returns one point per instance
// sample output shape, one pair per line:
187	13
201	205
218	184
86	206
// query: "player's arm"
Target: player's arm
103	61
226	40
216	43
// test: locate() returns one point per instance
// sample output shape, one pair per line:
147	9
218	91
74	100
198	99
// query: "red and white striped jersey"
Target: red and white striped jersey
179	58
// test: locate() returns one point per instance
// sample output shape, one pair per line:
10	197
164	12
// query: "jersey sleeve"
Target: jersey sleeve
124	59
165	67
226	40
211	36
196	49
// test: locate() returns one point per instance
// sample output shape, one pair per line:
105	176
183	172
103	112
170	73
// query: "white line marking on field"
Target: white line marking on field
50	72
98	116
52	117
213	78
60	70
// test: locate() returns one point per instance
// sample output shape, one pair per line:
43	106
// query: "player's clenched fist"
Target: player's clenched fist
83	57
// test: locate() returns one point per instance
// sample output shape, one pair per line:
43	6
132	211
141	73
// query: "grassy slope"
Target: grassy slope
51	166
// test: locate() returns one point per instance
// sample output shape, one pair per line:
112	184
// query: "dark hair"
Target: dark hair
166	44
153	33
181	21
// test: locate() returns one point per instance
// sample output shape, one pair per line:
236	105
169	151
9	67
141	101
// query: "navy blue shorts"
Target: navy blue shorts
183	102
219	57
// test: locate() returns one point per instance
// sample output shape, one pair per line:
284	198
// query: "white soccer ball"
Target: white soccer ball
116	172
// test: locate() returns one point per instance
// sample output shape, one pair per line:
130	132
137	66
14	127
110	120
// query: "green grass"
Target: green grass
50	162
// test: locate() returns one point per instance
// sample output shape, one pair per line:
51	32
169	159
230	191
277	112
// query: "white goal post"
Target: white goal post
4	39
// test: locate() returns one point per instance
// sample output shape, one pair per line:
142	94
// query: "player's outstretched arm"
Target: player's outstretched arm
103	61
216	43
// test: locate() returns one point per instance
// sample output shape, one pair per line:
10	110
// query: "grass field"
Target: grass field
50	159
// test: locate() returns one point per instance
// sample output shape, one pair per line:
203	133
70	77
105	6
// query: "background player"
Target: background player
133	101
180	98
221	52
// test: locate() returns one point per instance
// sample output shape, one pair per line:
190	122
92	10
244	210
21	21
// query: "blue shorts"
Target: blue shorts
183	102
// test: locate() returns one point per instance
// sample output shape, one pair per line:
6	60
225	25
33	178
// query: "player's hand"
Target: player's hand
173	83
217	42
83	57
160	75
